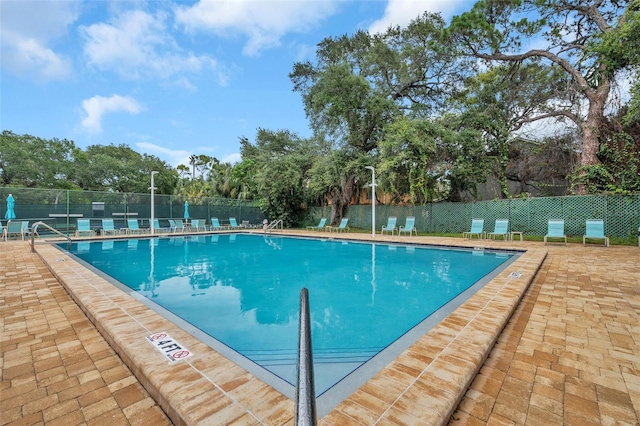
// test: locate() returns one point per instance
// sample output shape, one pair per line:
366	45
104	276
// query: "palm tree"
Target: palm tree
194	160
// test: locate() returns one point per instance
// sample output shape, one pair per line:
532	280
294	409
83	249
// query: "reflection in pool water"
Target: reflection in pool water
243	291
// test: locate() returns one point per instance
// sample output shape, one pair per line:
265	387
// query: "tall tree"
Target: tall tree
621	48
498	101
362	83
194	160
500	30
35	162
118	168
282	161
432	160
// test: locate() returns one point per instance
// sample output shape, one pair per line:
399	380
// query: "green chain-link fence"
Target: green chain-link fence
621	214
62	208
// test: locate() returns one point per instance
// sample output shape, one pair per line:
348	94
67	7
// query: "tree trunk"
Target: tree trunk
590	128
340	199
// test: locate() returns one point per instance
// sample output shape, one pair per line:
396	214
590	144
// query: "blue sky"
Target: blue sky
171	78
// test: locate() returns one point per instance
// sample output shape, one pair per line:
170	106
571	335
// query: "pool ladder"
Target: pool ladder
34	231
274	225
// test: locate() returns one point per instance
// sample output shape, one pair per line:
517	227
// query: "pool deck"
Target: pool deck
556	343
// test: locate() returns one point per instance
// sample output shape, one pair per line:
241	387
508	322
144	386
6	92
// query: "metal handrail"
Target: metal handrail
273	225
305	390
34	230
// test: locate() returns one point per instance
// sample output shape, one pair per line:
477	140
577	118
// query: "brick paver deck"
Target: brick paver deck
56	368
569	354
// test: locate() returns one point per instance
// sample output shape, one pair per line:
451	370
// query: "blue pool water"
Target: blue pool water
243	291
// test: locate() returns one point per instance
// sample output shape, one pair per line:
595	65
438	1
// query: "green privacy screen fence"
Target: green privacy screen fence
621	214
61	208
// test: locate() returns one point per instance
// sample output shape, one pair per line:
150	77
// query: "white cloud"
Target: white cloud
232	158
402	12
29	31
137	45
264	23
174	157
27	56
97	106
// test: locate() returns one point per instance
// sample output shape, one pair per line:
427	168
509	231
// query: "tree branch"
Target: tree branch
567	114
536	53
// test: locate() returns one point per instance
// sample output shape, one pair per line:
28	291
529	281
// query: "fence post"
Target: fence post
68	210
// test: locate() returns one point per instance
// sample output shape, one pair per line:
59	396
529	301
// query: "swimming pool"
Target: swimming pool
365	298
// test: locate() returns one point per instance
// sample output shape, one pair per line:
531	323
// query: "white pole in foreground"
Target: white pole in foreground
153	203
373	200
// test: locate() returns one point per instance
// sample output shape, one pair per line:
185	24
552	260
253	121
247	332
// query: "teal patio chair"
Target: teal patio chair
500	228
14	229
198	225
342	227
233	224
133	227
409	226
179	225
108	227
320	226
595	231
390	226
83	227
26	231
555	229
172	225
215	225
157	228
477	228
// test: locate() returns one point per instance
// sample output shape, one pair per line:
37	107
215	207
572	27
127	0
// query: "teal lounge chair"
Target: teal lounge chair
179	225
198	225
555	229
233	224
477	228
595	231
390	226
342	227
409	226
500	228
25	228
108	227
320	226
133	227
83	227
215	225
14	229
157	228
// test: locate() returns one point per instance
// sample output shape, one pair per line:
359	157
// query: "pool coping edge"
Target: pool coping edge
233	392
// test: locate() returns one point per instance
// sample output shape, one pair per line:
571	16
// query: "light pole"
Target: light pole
153	203
373	200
